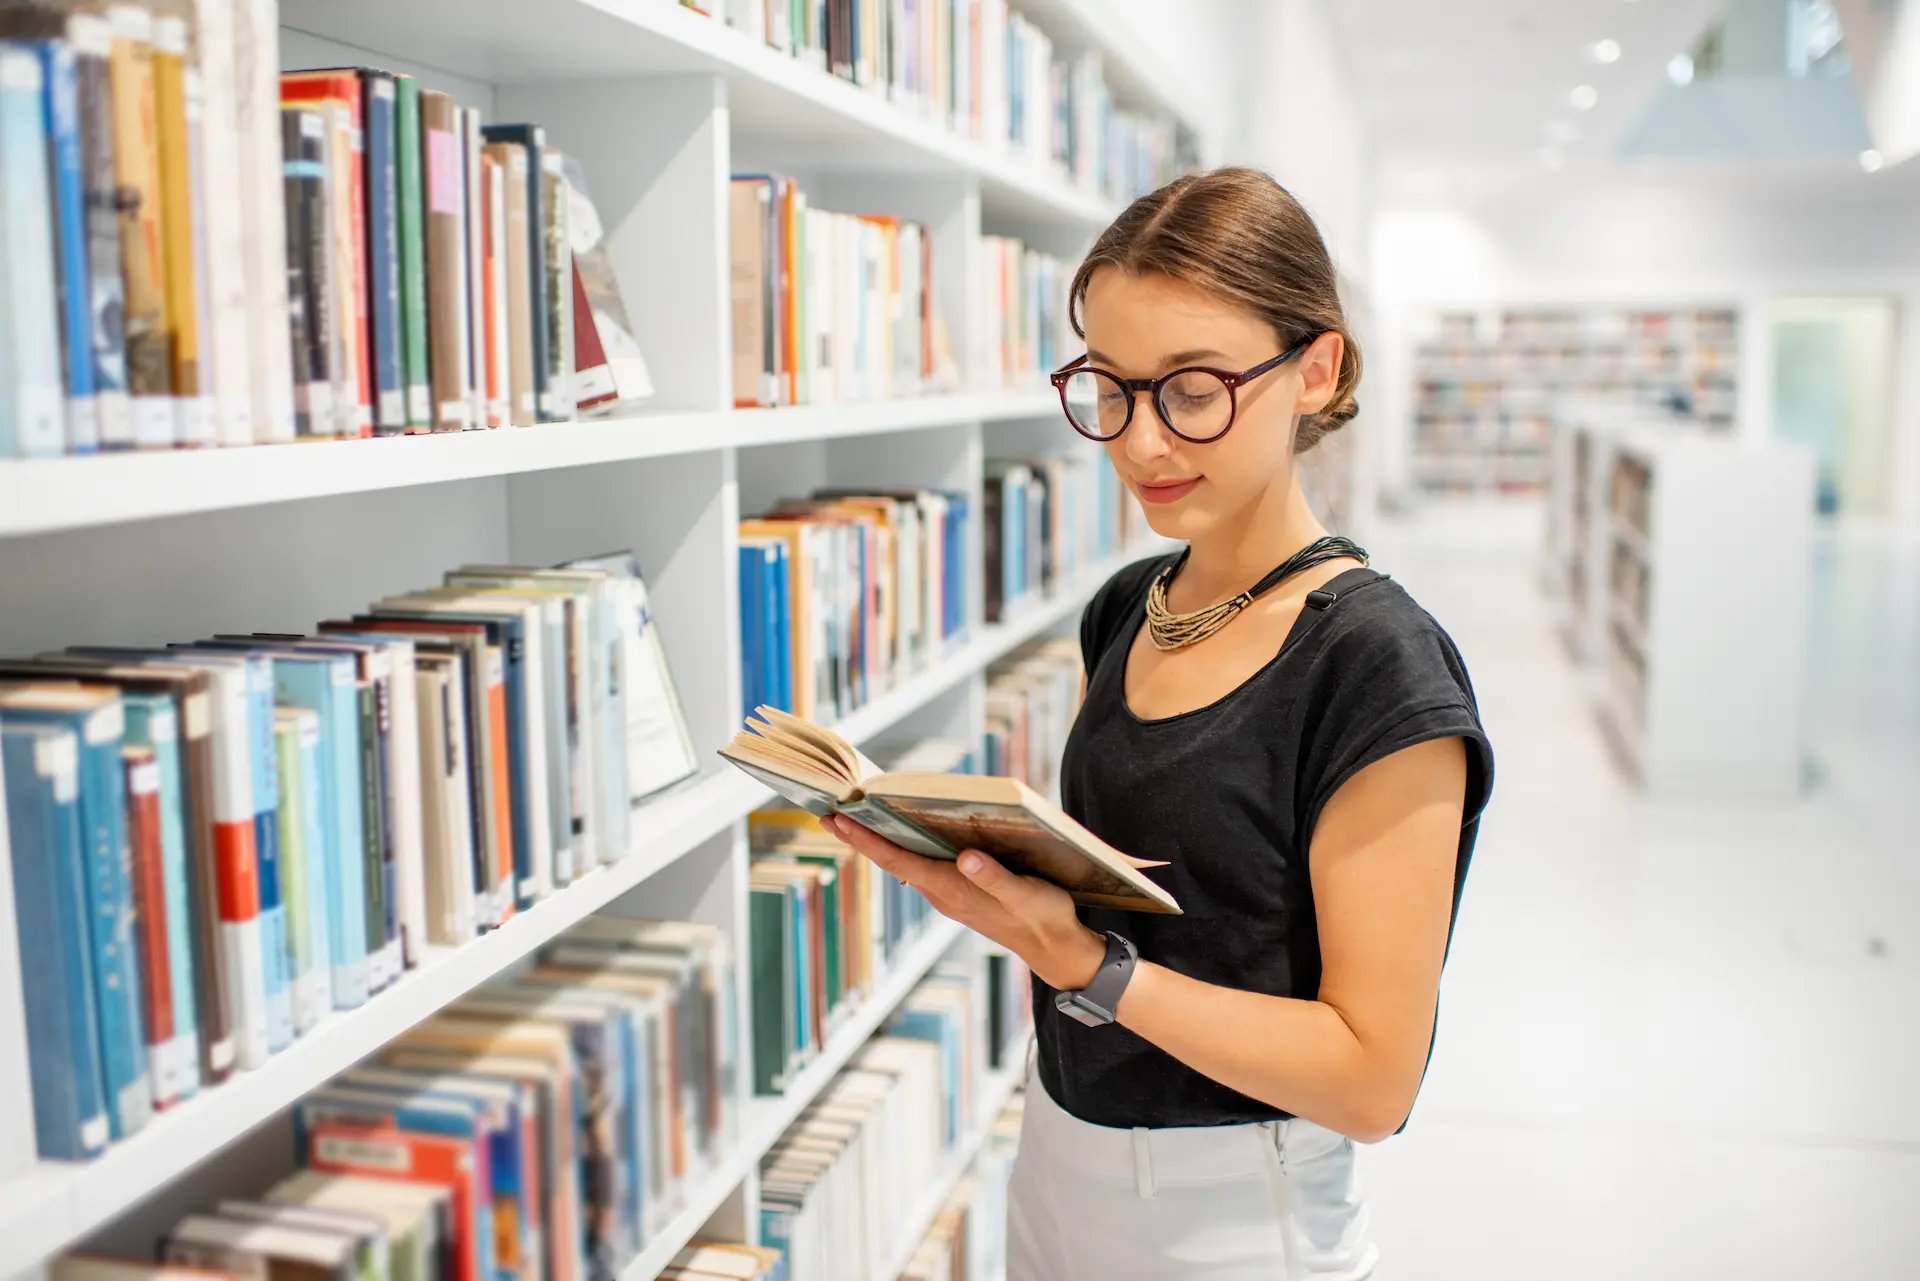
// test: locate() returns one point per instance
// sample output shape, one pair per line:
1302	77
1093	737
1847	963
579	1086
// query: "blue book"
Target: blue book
383	253
937	1026
753	631
153	723
32	415
779	625
40	765
266	837
98	720
62	113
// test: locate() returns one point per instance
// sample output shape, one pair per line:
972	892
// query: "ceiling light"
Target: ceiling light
1584	97
1680	69
1606	51
1870	161
1562	131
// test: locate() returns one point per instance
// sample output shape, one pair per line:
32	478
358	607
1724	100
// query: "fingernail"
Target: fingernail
970	863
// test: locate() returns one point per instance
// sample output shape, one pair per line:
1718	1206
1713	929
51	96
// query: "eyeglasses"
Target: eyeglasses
1196	403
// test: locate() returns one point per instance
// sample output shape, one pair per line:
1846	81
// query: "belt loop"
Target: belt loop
1142	1163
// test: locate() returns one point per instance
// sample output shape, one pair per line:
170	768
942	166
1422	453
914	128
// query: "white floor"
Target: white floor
1676	1041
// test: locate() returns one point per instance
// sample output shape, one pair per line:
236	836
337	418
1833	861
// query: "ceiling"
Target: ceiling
1483	80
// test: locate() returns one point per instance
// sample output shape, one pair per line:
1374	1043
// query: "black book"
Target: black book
303	138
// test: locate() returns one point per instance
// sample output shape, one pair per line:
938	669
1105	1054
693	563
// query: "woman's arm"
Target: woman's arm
1382	867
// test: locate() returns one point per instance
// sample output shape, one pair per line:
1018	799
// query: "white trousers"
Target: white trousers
1276	1201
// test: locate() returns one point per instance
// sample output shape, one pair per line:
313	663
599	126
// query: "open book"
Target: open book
938	815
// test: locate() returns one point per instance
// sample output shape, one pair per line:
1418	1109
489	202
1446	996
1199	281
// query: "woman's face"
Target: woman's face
1143	326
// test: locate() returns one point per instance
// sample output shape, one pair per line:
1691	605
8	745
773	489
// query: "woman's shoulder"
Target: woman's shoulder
1116	601
1380	629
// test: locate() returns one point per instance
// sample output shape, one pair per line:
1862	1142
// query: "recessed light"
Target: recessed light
1871	161
1606	51
1680	69
1584	97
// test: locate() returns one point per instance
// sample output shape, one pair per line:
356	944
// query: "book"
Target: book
609	367
94	1267
220	220
410	202
41	768
136	157
379	95
386	1151
473	233
558	404
493	234
309	259
533	139
303	865
93	714
445	262
341	99
205	1240
372	1257
92	42
521	409
939	815
177	111
147	883
32	415
413	1214
256	69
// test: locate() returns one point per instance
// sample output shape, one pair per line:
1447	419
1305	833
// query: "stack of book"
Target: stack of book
837	1190
982	70
1046	522
543	1127
202	251
829	307
1033	696
1028	334
845	594
724	1261
216	844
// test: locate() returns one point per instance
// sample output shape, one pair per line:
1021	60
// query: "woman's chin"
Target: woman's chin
1176	521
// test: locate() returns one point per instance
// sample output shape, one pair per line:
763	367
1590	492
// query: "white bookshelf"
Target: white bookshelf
1704	551
661	105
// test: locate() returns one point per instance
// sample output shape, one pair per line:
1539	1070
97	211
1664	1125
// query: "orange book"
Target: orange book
149	884
386	1152
790	208
344	88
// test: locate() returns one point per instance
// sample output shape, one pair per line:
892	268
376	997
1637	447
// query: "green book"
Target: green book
413	255
830	923
291	815
767	933
372	822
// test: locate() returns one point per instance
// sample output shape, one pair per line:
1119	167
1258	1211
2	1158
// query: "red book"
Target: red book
345	87
142	773
376	1151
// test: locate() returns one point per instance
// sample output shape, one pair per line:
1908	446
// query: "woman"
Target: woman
1288	729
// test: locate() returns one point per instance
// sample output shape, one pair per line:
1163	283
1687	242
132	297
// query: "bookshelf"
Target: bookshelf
1490	387
661	105
1693	567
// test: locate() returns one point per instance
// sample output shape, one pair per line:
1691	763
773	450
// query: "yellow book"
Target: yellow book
136	165
176	102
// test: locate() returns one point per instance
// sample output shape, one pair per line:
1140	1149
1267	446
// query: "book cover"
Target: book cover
533	139
609	367
264	777
521	408
473	232
32	417
140	776
136	158
94	715
493	280
383	252
446	815
752	589
304	969
410	210
445	262
309	262
559	405
750	265
41	765
180	313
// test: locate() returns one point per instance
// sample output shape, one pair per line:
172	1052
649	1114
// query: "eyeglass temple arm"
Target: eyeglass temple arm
1069	367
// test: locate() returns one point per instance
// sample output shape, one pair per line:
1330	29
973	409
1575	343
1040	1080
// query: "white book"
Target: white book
344	262
32	400
262	217
447	820
221	216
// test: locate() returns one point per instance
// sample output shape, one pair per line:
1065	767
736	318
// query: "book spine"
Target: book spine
473	229
493	279
374	865
142	232
383	255
538	335
237	872
224	406
173	118
521	407
141	778
356	255
304	865
410	201
31	396
277	983
61	113
219	221
256	64
753	692
444	257
560	404
91	42
158	728
41	772
103	815
292	874
305	193
352	945
345	231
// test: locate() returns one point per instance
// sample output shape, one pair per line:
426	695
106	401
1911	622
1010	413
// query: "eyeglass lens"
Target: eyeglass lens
1195	403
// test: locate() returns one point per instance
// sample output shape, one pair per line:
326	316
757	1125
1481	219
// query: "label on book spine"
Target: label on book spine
419	403
393	405
176	1068
153	422
371	1154
196	420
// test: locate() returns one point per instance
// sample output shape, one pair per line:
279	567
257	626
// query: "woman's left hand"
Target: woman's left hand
1030	917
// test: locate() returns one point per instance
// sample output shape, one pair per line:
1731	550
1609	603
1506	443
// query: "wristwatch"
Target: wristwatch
1094	1004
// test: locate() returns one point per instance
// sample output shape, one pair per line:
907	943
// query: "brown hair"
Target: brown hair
1240	235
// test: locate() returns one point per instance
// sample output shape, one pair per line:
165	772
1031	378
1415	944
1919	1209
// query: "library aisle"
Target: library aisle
1676	1039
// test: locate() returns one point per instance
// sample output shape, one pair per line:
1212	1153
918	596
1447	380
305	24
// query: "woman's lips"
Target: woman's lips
1167	493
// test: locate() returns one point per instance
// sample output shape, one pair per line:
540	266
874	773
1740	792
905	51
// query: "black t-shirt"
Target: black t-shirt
1228	795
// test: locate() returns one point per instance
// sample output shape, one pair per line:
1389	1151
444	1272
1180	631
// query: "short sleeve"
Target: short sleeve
1391	680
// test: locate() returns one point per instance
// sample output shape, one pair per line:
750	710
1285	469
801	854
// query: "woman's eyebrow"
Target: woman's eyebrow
1177	358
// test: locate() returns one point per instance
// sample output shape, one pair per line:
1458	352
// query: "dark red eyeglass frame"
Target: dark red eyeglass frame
1134	386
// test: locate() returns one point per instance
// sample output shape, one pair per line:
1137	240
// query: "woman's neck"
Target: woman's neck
1242	551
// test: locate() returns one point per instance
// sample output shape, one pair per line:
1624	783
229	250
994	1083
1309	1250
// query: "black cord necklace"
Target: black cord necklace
1169	630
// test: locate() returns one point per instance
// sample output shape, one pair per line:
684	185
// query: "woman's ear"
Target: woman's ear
1319	368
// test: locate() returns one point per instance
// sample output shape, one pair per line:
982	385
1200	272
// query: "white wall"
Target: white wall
1657	238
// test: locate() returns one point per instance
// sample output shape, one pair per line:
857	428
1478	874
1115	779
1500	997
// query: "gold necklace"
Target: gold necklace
1170	631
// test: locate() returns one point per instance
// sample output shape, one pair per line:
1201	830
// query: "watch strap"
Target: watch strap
1109	984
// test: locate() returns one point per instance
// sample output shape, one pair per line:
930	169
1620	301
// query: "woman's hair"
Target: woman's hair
1241	236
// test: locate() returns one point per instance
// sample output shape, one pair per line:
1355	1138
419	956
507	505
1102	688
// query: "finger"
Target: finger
1012	891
